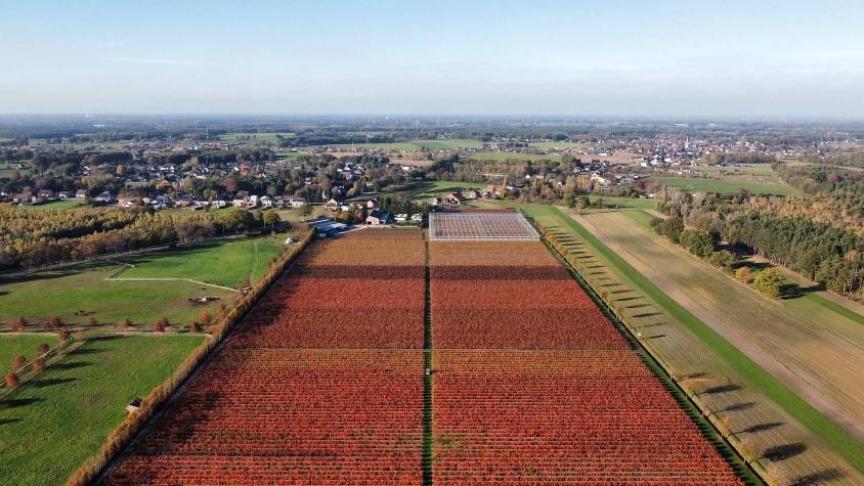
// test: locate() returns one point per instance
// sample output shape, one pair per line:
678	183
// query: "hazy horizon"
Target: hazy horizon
665	60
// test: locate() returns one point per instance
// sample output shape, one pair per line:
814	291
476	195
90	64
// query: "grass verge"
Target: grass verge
838	438
52	424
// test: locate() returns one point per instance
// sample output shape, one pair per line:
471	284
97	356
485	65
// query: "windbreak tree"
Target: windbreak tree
769	282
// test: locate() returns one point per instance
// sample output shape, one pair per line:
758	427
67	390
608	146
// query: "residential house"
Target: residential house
377	217
104	198
128	201
44	195
295	202
454	198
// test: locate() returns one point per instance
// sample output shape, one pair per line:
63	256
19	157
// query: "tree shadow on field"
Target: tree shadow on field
19	402
655	324
738	407
694	375
46	382
86	351
58	273
99	339
71	366
753	265
637	306
794	291
820	477
761	427
9	421
783	452
176	251
722	389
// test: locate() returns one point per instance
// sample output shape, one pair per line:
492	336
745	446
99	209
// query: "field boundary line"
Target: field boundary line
822	427
701	415
129	432
428	455
53	356
799	386
168	279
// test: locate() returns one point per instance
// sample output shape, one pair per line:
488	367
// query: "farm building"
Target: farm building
328	227
481	226
379	217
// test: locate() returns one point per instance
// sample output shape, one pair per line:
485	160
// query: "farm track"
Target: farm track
747	413
168	279
790	347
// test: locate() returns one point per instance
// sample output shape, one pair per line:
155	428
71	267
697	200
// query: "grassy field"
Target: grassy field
417	145
800	341
255	137
295	215
617	203
79	293
764	170
12	345
224	263
725	185
557	145
51	425
499	156
58	205
437	188
98	291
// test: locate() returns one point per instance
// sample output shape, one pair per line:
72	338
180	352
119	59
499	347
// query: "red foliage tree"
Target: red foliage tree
161	325
18	362
19	324
55	322
11	380
38	364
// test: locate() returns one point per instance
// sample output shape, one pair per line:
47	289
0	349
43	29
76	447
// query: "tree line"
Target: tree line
39	238
772	227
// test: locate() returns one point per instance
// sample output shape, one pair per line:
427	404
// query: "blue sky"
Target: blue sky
579	58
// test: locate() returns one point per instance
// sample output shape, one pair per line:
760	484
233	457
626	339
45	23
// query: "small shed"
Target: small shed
134	405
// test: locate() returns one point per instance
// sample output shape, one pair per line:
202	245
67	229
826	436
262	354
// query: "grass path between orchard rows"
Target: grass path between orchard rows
844	443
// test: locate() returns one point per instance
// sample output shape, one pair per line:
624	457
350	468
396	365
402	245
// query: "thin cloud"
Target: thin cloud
152	60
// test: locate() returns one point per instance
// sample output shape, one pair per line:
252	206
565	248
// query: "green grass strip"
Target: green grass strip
736	462
821	426
834	306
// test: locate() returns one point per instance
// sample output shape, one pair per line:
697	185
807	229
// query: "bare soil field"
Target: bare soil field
809	348
775	439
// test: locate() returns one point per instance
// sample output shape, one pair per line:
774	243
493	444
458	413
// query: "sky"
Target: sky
696	59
